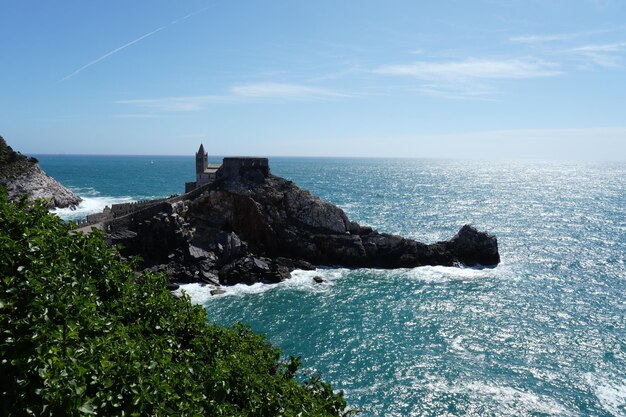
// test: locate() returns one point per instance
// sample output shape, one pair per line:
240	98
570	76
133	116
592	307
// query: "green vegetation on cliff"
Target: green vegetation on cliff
82	335
11	162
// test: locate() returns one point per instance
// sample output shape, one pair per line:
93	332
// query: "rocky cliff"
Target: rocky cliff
251	226
22	175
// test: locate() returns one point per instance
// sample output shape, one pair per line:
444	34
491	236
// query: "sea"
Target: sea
542	334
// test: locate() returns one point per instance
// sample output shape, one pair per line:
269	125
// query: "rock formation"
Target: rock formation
22	175
250	226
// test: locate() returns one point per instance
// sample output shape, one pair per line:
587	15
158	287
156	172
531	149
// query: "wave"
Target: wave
91	204
300	281
514	401
508	401
303	280
610	392
437	274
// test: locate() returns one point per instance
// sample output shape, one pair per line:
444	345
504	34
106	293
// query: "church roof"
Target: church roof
201	150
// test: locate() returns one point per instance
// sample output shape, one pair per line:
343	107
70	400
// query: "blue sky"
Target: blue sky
461	79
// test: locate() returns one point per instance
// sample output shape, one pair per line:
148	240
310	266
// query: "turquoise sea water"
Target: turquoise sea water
543	334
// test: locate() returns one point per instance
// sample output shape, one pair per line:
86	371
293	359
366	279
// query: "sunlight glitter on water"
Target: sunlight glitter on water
543	334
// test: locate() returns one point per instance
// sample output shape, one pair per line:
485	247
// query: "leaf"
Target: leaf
87	408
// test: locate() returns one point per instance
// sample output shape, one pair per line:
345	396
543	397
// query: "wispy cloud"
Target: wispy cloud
175	104
286	91
474	91
473	69
611	47
239	93
608	55
468	79
562	37
134	41
544	38
136	116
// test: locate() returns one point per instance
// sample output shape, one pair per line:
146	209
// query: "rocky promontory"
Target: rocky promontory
251	226
21	175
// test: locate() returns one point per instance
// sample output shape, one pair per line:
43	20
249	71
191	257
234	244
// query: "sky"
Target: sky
492	79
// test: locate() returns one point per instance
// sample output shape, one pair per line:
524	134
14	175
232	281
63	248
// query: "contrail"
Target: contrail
116	50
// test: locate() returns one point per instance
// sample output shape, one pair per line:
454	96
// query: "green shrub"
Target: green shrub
81	334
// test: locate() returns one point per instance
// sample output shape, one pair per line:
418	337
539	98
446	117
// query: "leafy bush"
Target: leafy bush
82	334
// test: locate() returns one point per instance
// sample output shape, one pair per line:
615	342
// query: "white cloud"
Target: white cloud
468	79
607	55
136	116
175	104
544	38
473	69
611	47
285	91
238	93
556	37
470	91
561	37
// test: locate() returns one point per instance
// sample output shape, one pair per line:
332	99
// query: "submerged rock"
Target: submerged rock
255	227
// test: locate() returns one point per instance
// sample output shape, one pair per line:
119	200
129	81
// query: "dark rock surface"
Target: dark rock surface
21	175
256	227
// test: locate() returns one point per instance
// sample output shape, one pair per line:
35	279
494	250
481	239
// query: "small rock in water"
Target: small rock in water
172	287
217	291
318	279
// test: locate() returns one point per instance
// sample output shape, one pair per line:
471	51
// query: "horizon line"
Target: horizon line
475	158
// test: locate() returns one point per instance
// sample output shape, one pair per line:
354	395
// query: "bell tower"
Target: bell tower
202	162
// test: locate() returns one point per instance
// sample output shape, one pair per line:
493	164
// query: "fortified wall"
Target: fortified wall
231	167
118	210
235	167
121	215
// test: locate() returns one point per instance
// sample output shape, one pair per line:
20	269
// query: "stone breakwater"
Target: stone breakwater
250	226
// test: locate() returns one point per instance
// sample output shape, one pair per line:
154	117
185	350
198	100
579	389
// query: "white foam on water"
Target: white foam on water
610	392
457	344
201	293
303	280
509	401
438	274
300	281
90	205
516	401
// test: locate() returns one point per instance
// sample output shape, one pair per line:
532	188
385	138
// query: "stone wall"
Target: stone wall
143	212
237	166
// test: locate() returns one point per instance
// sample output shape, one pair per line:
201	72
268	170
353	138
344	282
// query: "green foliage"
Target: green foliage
82	335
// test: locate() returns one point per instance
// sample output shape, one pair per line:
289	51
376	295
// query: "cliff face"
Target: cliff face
22	175
254	226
